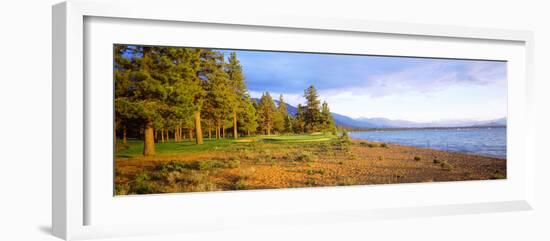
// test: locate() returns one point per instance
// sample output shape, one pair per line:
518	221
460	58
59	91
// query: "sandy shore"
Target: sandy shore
361	163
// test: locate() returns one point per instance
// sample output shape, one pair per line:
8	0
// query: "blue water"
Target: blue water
481	141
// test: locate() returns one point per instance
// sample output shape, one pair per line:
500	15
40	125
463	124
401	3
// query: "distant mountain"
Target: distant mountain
388	123
379	122
496	122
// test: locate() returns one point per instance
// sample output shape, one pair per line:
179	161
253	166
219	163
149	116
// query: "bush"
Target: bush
191	181
399	175
313	172
436	161
310	182
240	184
246	173
240	181
446	166
142	184
171	166
373	145
122	189
497	175
197	165
305	157
417	158
192	177
344	139
346	181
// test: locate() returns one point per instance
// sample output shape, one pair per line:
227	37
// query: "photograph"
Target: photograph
194	119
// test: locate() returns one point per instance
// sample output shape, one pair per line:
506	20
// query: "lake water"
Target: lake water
481	141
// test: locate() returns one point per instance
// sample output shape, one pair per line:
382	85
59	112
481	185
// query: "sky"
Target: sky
405	88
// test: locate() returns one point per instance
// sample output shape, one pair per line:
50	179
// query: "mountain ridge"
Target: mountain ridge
382	122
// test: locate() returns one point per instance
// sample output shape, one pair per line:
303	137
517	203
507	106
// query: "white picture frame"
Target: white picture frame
73	190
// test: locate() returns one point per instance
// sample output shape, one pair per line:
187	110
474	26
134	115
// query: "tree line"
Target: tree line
172	94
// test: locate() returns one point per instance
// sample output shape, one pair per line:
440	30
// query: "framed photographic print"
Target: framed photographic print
209	122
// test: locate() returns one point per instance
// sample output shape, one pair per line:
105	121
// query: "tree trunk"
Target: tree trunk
176	135
268	129
124	135
209	133
217	130
235	135
162	135
198	128
148	140
223	131
248	132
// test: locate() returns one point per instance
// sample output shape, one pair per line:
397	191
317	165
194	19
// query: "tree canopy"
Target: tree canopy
170	94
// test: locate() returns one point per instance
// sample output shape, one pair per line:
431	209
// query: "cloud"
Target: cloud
376	76
434	76
419	89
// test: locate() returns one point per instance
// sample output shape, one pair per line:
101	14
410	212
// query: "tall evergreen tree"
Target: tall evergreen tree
312	114
150	94
328	121
247	118
184	92
299	120
240	92
124	108
266	113
220	98
280	116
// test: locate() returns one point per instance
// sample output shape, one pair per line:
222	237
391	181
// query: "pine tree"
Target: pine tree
286	119
312	114
280	116
299	122
247	118
266	113
150	94
240	92
328	121
179	68
124	108
220	98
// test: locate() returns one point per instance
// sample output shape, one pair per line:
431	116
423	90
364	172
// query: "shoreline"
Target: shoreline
249	166
426	148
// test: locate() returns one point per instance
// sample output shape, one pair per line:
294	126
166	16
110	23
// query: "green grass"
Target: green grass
135	147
